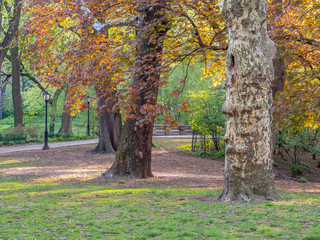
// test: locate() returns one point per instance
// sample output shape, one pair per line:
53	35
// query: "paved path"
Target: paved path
64	144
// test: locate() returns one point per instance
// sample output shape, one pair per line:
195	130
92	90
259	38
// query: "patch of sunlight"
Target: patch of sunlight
309	201
11	161
65	177
24	170
13	186
160	151
50	192
110	191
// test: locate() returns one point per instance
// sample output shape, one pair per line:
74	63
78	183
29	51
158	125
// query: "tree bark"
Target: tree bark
66	121
110	127
133	156
248	171
16	94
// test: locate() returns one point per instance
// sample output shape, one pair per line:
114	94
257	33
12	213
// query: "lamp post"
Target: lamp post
88	126
46	97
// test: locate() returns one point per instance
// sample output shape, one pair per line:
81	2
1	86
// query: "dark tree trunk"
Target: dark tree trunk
249	73
110	127
114	124
279	73
2	97
66	121
133	156
53	109
16	94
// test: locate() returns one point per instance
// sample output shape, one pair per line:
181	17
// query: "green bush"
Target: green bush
202	153
220	154
33	130
207	116
294	144
298	169
186	147
303	180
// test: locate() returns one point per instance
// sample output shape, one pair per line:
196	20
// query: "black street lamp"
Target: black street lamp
46	97
88	126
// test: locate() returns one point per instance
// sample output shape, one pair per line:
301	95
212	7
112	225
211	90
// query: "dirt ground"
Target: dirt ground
172	168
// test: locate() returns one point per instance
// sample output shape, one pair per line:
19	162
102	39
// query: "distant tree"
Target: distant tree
207	117
66	119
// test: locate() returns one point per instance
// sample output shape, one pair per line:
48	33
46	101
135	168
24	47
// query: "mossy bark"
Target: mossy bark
249	73
133	156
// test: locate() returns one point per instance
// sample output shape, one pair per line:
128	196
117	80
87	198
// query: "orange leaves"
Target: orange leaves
296	30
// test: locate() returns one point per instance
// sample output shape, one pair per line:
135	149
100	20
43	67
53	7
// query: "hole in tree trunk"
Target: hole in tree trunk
232	61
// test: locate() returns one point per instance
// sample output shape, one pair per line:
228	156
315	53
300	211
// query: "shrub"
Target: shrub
220	154
14	130
202	153
299	168
303	180
33	130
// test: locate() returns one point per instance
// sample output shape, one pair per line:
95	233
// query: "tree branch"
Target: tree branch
101	27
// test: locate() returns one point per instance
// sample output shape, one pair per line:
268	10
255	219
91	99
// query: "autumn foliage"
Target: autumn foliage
297	32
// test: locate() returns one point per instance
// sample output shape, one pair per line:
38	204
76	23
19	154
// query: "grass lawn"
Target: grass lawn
91	211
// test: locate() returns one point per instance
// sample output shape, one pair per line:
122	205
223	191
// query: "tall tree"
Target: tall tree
9	36
133	156
249	74
16	93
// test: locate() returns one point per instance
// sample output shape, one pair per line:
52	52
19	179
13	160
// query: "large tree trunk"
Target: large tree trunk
110	127
133	156
66	121
16	94
249	73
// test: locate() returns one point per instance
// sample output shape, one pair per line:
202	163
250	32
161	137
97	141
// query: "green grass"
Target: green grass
32	209
79	124
90	211
165	142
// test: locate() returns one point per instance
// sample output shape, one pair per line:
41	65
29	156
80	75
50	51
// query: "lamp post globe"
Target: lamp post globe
46	97
88	125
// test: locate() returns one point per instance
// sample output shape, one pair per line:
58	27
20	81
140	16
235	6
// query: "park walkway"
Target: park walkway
65	144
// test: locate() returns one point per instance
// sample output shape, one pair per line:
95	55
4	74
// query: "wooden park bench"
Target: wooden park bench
160	130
